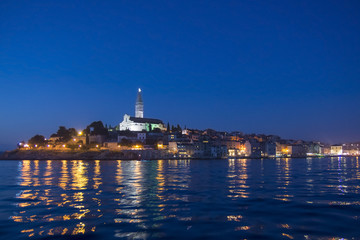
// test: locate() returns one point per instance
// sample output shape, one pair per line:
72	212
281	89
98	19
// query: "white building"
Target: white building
139	123
336	150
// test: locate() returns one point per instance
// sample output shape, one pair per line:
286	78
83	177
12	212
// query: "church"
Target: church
139	123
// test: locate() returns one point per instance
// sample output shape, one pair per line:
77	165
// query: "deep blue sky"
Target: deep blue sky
290	68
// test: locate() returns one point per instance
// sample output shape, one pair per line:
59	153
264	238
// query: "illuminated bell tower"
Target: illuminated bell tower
139	106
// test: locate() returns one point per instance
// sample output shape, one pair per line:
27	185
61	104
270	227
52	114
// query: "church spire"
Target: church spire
139	106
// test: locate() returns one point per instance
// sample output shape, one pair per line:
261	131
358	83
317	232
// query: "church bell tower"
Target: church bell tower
139	106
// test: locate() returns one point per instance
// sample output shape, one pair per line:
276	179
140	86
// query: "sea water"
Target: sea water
312	198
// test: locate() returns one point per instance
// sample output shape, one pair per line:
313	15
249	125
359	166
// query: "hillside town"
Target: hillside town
149	138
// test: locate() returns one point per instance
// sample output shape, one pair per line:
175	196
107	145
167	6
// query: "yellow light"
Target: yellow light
79	145
97	145
64	145
80	133
35	145
74	139
48	145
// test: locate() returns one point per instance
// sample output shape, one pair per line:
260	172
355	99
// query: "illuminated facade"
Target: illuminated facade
336	150
139	123
139	106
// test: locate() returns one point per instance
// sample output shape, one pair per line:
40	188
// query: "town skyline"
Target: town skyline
133	113
141	137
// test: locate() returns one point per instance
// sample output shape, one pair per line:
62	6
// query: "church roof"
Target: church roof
145	120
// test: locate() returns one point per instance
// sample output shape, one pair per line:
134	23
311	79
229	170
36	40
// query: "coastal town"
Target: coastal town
148	138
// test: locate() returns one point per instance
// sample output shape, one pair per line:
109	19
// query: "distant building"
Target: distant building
296	150
325	150
139	123
182	149
253	148
141	136
314	148
351	149
269	149
336	150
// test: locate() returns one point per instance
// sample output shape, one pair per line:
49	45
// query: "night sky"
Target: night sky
290	68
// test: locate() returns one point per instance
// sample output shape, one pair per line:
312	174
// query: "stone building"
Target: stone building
139	123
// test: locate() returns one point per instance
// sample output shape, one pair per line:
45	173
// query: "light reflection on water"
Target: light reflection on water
236	198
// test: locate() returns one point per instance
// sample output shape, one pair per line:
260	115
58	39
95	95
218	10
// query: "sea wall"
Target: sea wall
67	155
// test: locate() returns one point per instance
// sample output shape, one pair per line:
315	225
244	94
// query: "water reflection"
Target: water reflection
237	174
236	198
48	189
283	179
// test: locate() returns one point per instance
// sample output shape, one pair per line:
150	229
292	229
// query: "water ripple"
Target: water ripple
181	199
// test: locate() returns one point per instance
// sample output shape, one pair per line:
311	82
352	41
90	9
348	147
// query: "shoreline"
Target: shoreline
112	155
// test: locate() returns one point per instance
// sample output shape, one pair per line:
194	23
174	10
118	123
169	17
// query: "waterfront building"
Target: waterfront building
351	149
325	150
296	150
336	150
252	148
314	148
139	123
232	144
218	151
182	149
281	149
268	149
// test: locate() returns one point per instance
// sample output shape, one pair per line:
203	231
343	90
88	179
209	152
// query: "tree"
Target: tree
62	131
168	127
96	128
72	132
65	134
37	140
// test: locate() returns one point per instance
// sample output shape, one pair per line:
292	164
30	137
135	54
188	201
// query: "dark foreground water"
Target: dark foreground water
185	199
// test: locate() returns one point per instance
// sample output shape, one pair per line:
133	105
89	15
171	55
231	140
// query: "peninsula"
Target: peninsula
148	138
